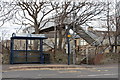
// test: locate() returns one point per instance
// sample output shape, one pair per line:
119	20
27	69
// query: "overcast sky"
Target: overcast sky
8	28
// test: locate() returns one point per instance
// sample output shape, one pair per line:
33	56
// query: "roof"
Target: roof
28	36
17	37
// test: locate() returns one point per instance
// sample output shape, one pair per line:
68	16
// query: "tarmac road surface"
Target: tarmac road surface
78	72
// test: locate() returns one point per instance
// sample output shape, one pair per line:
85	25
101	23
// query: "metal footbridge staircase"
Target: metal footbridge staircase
88	36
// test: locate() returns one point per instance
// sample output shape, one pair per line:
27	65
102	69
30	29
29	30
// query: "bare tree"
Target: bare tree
63	12
30	14
117	19
85	11
7	11
26	13
113	27
34	13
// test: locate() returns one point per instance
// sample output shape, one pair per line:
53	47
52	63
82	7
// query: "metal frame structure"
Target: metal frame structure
13	51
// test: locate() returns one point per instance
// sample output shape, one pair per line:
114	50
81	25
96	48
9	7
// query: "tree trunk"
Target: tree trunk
60	40
36	41
109	35
117	33
55	45
116	42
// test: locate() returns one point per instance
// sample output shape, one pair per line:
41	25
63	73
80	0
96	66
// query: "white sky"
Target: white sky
8	28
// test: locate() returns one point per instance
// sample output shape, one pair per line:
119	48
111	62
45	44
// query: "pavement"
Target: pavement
7	67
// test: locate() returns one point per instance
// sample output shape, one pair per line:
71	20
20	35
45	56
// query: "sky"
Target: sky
8	28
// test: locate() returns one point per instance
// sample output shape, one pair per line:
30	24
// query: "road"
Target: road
92	72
